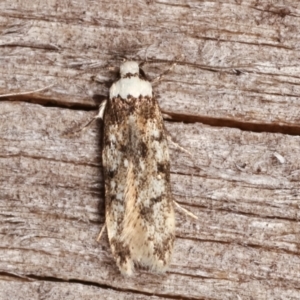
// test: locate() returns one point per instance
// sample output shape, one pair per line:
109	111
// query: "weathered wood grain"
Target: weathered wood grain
240	57
237	91
246	201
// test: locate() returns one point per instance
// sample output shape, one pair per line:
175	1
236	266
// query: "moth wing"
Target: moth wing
139	209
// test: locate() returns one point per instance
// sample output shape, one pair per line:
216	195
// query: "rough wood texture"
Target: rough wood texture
236	89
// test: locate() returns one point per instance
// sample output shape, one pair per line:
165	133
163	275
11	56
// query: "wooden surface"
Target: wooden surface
233	102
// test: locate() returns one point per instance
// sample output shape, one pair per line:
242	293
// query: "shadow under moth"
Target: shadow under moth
139	208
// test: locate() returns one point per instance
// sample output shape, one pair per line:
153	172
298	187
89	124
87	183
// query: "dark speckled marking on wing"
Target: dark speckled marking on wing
139	207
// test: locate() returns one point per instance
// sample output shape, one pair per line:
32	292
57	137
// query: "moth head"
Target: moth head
129	67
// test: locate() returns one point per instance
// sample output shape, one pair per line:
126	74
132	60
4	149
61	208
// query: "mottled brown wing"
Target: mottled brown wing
139	207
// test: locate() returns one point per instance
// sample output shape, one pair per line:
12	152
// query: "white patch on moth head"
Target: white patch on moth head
129	67
130	86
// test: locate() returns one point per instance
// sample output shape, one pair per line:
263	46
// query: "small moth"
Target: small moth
139	207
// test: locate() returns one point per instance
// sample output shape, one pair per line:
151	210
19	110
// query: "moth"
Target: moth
139	213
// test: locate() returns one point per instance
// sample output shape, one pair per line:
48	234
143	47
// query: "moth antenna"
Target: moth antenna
28	92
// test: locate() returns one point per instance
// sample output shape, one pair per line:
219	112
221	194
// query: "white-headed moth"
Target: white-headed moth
139	207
